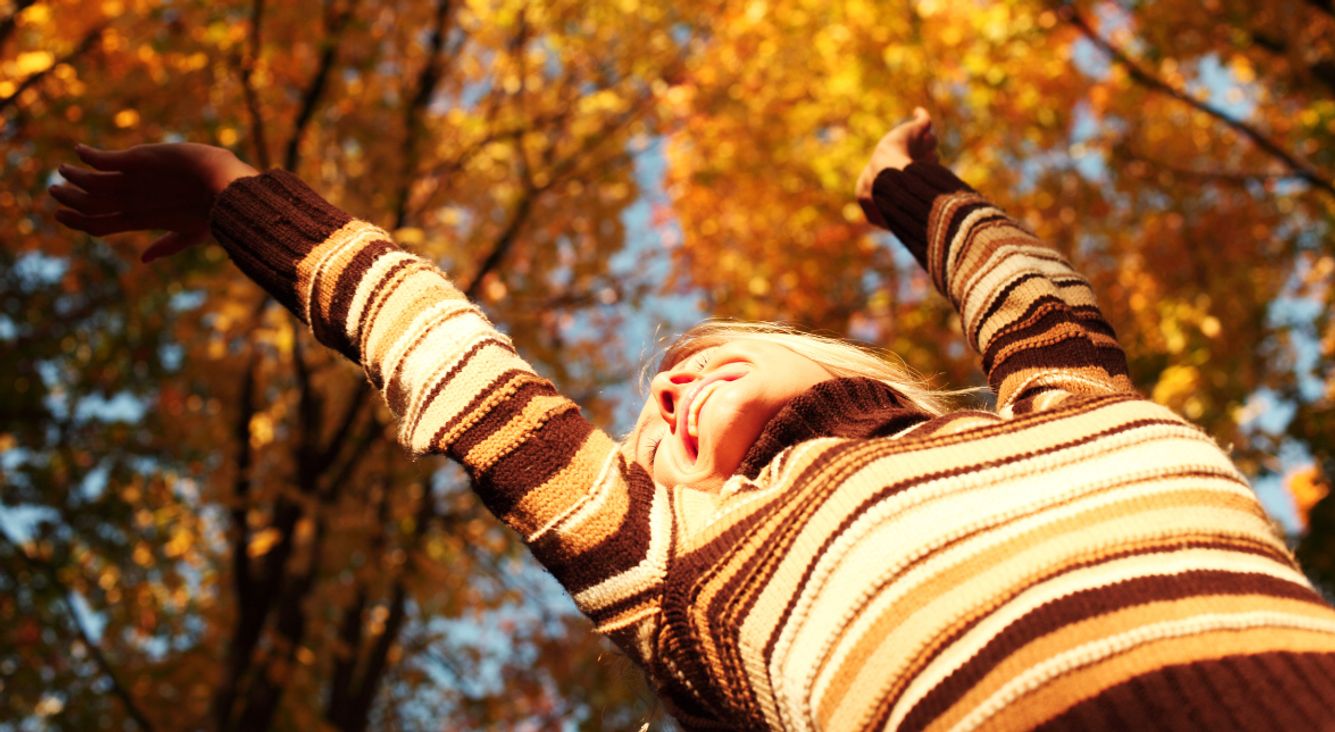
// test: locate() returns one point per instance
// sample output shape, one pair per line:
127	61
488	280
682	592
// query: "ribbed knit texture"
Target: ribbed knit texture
835	408
1079	559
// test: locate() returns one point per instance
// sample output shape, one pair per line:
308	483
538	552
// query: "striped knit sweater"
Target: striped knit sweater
1079	558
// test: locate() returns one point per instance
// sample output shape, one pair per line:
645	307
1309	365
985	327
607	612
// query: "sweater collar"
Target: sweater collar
847	407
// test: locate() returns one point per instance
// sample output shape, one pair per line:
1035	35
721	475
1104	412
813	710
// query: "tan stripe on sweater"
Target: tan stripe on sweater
1102	664
952	598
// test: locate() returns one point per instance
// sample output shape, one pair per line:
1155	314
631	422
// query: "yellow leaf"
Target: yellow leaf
126	118
410	235
142	555
33	62
1307	488
262	542
261	430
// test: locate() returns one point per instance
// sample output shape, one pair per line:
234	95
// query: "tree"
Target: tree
1181	159
214	523
206	521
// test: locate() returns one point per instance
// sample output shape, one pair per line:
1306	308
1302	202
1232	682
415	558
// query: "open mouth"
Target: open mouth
688	420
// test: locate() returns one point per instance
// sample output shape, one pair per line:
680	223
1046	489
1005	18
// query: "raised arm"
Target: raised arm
595	519
1033	319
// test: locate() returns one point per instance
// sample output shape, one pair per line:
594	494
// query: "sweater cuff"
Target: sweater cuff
905	197
268	223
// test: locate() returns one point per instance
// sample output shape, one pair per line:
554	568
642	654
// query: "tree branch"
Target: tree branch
336	21
83	46
248	63
94	649
432	72
1301	168
1224	176
503	243
249	614
377	657
8	23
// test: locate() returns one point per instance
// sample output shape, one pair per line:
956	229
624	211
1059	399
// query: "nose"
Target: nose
666	389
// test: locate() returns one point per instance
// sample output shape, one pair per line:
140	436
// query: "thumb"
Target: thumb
922	119
103	159
171	243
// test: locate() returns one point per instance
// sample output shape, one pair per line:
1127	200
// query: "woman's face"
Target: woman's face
705	412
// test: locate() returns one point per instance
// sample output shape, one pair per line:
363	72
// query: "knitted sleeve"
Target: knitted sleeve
1031	317
593	518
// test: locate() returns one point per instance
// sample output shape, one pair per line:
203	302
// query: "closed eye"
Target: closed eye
653	451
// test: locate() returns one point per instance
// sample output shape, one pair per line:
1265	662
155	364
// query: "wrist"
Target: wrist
215	167
230	169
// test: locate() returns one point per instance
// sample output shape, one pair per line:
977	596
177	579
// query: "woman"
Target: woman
795	536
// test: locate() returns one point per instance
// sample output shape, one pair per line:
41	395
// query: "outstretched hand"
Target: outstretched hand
909	142
167	187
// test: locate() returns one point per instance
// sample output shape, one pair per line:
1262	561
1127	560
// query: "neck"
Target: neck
846	407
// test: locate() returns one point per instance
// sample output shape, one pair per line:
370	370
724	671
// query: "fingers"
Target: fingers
82	201
115	223
169	244
922	136
111	160
94	181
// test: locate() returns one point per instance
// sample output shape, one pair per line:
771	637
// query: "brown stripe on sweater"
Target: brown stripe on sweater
621	549
967	621
533	462
984	234
444	373
486	398
1073	352
1042	312
395	386
374	301
332	329
1314	680
398	319
1059	694
977	565
691	575
500	415
1091	603
1052	326
1226	694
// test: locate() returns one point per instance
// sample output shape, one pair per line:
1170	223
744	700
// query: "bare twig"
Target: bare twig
1300	167
1223	176
248	63
8	23
503	243
432	72
249	615
336	22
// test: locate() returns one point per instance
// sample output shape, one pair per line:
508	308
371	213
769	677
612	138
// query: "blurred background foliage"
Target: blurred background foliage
205	522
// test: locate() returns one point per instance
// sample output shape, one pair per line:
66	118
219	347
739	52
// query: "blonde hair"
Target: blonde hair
840	357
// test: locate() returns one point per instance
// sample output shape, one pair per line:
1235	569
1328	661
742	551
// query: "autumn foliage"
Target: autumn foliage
205	520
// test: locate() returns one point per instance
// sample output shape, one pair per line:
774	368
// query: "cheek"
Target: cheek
736	419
